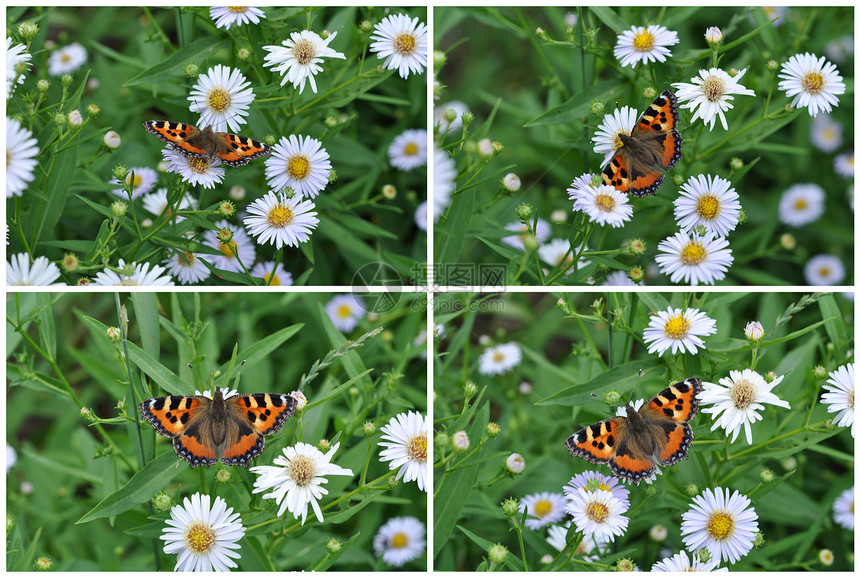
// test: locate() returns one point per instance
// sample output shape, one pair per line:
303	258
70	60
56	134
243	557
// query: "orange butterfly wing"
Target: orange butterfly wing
255	415
241	149
233	150
653	146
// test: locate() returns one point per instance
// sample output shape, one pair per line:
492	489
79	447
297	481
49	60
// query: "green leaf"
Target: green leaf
173	68
57	191
146	318
511	561
140	488
452	234
623	378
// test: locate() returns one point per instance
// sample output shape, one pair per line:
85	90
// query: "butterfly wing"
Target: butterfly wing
177	135
181	417
252	417
596	443
670	410
237	150
653	146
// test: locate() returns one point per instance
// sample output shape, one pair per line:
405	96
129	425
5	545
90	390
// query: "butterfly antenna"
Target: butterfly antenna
202	379
635	385
236	373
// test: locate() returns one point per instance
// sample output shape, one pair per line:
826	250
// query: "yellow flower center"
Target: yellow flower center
302	470
708	206
416	448
199	165
218	99
713	88
410	149
186	259
721	526
65	57
237	9
851	402
693	254
405	44
303	51
644	41
8	156
399	540
597	512
128	283
134	183
813	82
199	538
677	327
279	216
271	279
230	249
299	167
543	508
498	356
605	202
344	311
800	204
742	394
824	272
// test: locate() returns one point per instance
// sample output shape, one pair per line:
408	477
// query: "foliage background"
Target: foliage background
566	358
533	96
69	468
141	77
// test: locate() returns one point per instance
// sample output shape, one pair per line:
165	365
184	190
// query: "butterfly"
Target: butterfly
190	141
652	147
658	434
206	431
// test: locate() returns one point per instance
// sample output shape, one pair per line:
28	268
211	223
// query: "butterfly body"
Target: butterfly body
652	147
206	431
233	150
657	434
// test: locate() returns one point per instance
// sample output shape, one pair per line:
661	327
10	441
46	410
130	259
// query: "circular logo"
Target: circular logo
379	285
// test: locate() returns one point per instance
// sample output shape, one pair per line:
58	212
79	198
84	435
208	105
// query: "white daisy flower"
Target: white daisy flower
840	396
515	463
557	538
812	81
300	163
144	181
194	171
606	140
133	275
345	311
739	398
679	329
442	116
112	139
694	259
801	204
593	481
400	540
300	61
843	509
298	480
233	254
21	152
402	43
542	232
17	63
156	203
281	221
408	150
710	202
186	267
604	205
825	133
754	331
644	44
444	181
271	276
66	60
204	537
11	457
500	359
680	562
421	216
619	278
227	16
824	270
844	165
597	514
542	509
221	96
710	95
725	525
406	446
557	252
19	271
